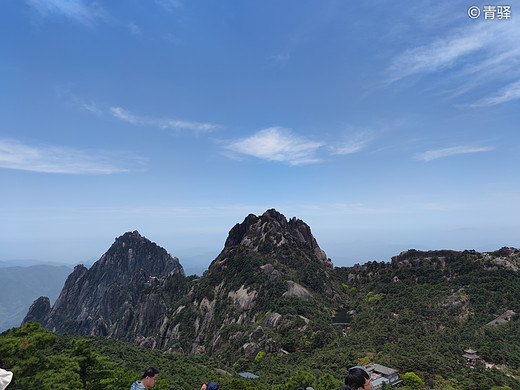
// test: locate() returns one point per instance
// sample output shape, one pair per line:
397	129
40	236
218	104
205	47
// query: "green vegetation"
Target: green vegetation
411	380
416	318
42	360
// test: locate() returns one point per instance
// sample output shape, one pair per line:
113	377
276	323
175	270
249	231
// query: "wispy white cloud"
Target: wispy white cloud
125	116
135	29
78	10
446	152
440	54
278	144
163	123
169	5
354	145
282	57
506	94
92	107
475	55
51	159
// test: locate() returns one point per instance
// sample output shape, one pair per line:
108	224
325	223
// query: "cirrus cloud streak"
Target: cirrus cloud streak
51	159
446	152
163	123
76	10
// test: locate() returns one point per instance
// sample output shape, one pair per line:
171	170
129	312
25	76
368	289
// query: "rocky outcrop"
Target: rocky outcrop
131	253
505	258
273	230
138	292
243	297
502	319
295	290
107	299
38	310
413	257
508	258
273	273
273	320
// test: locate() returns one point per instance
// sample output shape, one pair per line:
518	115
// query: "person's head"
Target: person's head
358	379
212	386
149	377
204	385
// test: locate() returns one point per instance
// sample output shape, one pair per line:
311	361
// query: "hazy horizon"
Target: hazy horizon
192	258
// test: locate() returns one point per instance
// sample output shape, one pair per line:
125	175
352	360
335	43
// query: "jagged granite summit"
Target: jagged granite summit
92	298
137	292
271	289
273	230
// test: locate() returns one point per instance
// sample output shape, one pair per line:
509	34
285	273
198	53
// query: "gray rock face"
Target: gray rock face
251	349
38	310
273	320
107	300
295	290
130	253
273	273
273	228
137	292
257	334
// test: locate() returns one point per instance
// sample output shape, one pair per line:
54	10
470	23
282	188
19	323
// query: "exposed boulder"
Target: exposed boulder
243	297
251	349
258	334
273	273
502	319
273	320
298	291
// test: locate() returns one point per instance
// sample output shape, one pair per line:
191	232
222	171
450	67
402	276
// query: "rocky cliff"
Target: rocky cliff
94	301
268	267
271	275
271	289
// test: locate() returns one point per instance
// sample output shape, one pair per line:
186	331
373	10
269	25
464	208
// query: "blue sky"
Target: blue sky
383	126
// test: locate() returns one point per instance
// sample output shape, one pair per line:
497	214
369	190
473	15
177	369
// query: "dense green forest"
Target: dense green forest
43	360
417	319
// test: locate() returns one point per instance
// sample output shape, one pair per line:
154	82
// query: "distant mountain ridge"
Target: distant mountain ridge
19	286
272	289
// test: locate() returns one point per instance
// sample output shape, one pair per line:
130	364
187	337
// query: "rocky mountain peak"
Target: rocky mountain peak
91	296
272	230
130	294
130	253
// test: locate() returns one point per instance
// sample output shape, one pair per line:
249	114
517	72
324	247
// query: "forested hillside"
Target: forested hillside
273	304
416	314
